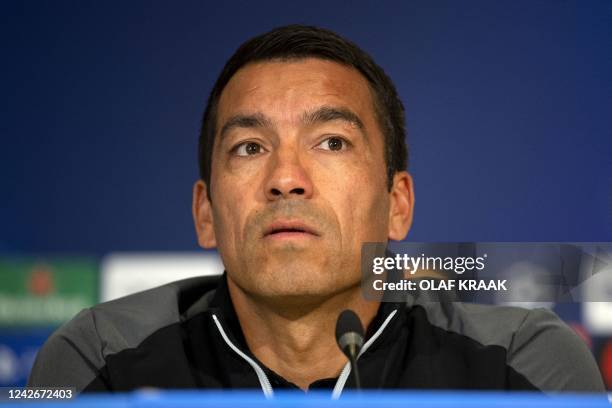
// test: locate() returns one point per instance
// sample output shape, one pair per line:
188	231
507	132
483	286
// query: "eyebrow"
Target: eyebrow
320	115
245	121
332	113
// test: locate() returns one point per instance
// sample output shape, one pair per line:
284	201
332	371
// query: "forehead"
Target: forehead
285	89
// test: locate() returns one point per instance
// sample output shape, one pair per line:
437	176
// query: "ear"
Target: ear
401	206
202	216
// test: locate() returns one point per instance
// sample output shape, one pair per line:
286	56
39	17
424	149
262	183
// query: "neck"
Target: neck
297	340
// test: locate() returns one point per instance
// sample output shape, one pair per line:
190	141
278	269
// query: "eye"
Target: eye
333	143
247	149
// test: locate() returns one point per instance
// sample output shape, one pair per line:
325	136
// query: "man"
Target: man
302	160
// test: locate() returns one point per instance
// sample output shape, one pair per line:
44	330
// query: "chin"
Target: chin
301	281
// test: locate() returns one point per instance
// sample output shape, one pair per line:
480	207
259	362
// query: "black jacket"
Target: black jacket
186	335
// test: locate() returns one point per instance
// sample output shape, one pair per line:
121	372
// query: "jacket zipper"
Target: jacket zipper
261	376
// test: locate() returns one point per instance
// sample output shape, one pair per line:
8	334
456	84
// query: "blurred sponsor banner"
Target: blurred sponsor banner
126	273
45	291
18	348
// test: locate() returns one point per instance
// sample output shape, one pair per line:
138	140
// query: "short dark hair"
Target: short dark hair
294	42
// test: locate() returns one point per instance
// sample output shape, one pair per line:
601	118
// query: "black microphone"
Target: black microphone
349	335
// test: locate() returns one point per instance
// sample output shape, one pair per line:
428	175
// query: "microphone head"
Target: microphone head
349	332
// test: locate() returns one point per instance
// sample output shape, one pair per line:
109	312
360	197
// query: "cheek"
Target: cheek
227	215
371	217
361	207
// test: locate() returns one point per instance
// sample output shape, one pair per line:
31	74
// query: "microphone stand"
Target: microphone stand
354	369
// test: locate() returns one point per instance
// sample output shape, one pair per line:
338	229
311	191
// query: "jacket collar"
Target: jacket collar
221	302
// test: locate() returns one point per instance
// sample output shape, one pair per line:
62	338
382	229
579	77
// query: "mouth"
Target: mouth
289	230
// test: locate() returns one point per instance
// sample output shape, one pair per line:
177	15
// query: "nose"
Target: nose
287	178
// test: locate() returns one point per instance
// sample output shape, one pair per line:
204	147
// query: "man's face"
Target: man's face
298	178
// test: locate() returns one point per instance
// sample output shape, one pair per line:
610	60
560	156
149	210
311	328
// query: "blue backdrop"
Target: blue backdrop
508	107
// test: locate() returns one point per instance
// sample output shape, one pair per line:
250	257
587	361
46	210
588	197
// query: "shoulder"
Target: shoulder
487	324
75	352
552	356
539	345
126	322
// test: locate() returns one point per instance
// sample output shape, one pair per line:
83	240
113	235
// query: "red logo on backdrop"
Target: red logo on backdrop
605	363
40	281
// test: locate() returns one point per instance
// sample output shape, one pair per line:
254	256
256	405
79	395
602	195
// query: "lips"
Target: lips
289	228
